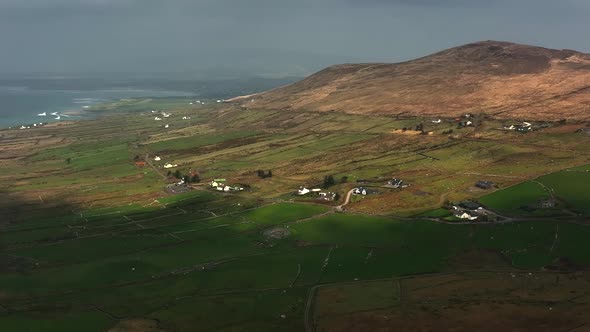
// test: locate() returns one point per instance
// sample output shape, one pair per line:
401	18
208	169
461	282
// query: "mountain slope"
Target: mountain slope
496	78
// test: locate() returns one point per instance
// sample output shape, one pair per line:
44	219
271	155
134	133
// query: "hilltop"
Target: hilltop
501	79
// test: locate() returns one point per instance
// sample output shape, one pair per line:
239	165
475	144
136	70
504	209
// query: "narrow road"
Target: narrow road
346	199
147	160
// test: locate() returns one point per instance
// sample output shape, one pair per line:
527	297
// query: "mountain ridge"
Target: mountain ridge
496	78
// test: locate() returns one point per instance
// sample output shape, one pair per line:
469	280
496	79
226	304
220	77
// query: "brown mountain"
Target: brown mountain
496	78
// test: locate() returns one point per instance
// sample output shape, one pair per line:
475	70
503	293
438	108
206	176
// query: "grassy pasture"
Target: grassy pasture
511	200
572	187
194	142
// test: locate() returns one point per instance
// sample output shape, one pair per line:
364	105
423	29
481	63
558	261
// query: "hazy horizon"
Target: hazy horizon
265	38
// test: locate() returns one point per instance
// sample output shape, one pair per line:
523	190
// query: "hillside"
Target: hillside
501	79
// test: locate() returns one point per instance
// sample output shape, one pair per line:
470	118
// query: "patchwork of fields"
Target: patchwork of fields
90	241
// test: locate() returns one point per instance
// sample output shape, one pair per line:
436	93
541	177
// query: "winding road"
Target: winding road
346	200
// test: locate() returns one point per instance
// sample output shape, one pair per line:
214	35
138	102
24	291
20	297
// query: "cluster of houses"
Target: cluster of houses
34	125
327	196
525	127
161	115
198	102
166	165
219	185
468	210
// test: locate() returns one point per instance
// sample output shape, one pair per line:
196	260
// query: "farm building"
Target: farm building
328	196
485	184
140	163
547	204
304	191
469	205
523	129
397	183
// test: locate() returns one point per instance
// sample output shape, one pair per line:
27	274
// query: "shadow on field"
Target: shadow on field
16	210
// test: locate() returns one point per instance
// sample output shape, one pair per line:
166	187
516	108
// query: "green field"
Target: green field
90	241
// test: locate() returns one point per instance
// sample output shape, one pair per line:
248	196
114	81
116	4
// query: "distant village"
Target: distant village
467	210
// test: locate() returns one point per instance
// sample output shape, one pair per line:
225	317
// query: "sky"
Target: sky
270	38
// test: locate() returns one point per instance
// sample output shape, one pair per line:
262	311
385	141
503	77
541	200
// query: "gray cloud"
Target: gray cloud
274	37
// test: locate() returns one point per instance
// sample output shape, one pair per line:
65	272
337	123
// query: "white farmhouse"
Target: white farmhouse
303	191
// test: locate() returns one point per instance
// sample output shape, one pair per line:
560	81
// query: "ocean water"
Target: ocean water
20	105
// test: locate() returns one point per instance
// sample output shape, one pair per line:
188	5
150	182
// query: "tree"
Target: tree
68	160
269	173
186	179
169	173
177	174
344	179
329	181
136	158
195	178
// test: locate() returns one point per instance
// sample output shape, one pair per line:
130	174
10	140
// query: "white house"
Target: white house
169	165
157	158
316	190
466	215
303	191
360	191
437	121
167	126
186	117
158	118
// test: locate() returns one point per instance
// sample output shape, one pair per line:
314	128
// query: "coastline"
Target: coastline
90	112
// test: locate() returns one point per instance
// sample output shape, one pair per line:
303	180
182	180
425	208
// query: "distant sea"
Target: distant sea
22	98
20	105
